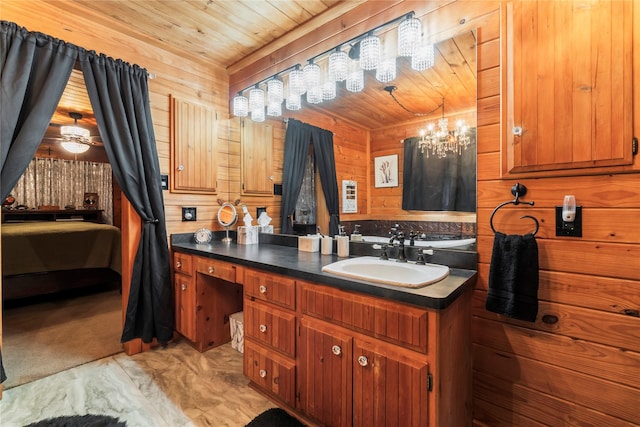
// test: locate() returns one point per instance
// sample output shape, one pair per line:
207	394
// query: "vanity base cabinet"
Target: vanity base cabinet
270	372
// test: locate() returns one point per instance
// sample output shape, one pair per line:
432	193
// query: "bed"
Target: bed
41	257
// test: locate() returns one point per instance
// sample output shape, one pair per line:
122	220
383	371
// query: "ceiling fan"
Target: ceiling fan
73	138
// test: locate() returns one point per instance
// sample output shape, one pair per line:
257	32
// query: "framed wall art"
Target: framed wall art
386	171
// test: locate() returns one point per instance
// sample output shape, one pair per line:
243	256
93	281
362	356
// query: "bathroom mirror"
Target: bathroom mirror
227	216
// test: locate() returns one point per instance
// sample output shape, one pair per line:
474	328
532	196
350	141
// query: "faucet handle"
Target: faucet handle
383	254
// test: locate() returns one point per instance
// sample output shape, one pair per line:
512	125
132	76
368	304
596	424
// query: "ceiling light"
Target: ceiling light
293	102
311	75
256	99
296	82
74	147
441	141
240	105
275	91
338	65
423	58
74	138
257	115
370	52
355	79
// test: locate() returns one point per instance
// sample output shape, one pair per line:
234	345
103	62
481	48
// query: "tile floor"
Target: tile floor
174	386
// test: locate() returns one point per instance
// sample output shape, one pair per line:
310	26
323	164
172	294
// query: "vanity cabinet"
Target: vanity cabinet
569	94
206	294
257	158
270	333
193	147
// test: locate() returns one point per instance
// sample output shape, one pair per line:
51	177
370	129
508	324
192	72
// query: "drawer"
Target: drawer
182	263
215	268
273	373
270	326
397	323
270	287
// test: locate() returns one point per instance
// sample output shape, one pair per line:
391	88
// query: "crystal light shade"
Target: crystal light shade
240	106
386	71
338	66
423	58
409	34
293	102
370	52
256	99
314	95
75	133
275	91
311	75
257	115
296	82
74	147
329	90
274	109
355	80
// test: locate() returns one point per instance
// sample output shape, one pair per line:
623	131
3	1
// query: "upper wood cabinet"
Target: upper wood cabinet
193	148
568	87
257	154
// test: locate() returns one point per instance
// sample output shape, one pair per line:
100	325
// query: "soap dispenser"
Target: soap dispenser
342	242
356	236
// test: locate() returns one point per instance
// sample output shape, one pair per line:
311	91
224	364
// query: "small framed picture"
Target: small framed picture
386	171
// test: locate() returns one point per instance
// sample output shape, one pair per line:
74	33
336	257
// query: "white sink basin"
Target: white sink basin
389	272
433	243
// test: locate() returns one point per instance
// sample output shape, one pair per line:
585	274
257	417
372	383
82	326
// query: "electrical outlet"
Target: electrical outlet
188	214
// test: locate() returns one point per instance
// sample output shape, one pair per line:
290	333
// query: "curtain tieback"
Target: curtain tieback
152	221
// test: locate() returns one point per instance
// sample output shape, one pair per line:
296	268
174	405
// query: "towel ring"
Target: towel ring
517	190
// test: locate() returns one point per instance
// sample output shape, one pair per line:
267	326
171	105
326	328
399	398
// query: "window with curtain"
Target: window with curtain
63	183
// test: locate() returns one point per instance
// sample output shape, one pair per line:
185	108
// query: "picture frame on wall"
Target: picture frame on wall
386	171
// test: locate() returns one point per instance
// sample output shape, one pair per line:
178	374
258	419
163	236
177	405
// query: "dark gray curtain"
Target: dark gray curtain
322	141
296	147
120	99
433	184
34	70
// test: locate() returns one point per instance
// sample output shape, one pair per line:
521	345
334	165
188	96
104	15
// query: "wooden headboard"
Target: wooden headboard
15	215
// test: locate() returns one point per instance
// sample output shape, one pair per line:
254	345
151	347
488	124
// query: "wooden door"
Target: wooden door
193	148
257	155
389	388
324	374
569	88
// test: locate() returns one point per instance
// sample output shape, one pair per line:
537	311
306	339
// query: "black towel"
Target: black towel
513	277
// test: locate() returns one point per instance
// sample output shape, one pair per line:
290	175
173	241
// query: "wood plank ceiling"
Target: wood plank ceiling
224	32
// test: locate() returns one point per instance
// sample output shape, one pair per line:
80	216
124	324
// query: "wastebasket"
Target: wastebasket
236	320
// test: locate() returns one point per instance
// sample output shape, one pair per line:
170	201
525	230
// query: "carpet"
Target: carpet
44	338
275	417
80	421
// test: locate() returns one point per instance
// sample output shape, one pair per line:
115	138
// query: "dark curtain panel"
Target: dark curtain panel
296	147
322	141
120	99
34	71
433	184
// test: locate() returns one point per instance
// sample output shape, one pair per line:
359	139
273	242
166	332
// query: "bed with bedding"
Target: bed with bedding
41	257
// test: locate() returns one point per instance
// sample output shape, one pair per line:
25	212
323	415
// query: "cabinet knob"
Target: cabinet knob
363	361
211	269
517	130
263	328
263	289
336	350
183	287
178	264
263	373
180	168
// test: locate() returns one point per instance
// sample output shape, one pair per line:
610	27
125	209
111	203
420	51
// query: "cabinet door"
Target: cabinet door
193	148
389	389
257	154
272	373
324	373
569	85
185	305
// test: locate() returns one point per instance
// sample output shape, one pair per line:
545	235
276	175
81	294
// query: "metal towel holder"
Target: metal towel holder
518	190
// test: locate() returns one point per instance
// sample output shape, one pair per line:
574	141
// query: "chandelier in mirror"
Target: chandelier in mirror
74	138
438	140
371	52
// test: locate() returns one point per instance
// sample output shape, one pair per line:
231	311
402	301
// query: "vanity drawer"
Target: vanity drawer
272	373
269	287
386	320
215	268
182	263
270	326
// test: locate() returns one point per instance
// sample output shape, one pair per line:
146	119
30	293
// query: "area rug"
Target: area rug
80	421
275	417
49	337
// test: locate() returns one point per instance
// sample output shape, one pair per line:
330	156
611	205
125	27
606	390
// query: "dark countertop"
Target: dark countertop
287	260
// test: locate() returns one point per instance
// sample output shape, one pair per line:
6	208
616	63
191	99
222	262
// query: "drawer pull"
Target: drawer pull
178	264
262	289
211	269
263	373
363	361
263	328
336	350
183	287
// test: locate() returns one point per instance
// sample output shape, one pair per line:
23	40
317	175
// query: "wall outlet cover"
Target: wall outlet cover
189	213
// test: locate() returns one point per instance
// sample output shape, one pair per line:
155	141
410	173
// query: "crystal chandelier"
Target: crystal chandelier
74	138
409	33
441	141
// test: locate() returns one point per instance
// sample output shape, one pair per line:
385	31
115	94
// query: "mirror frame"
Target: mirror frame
224	207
